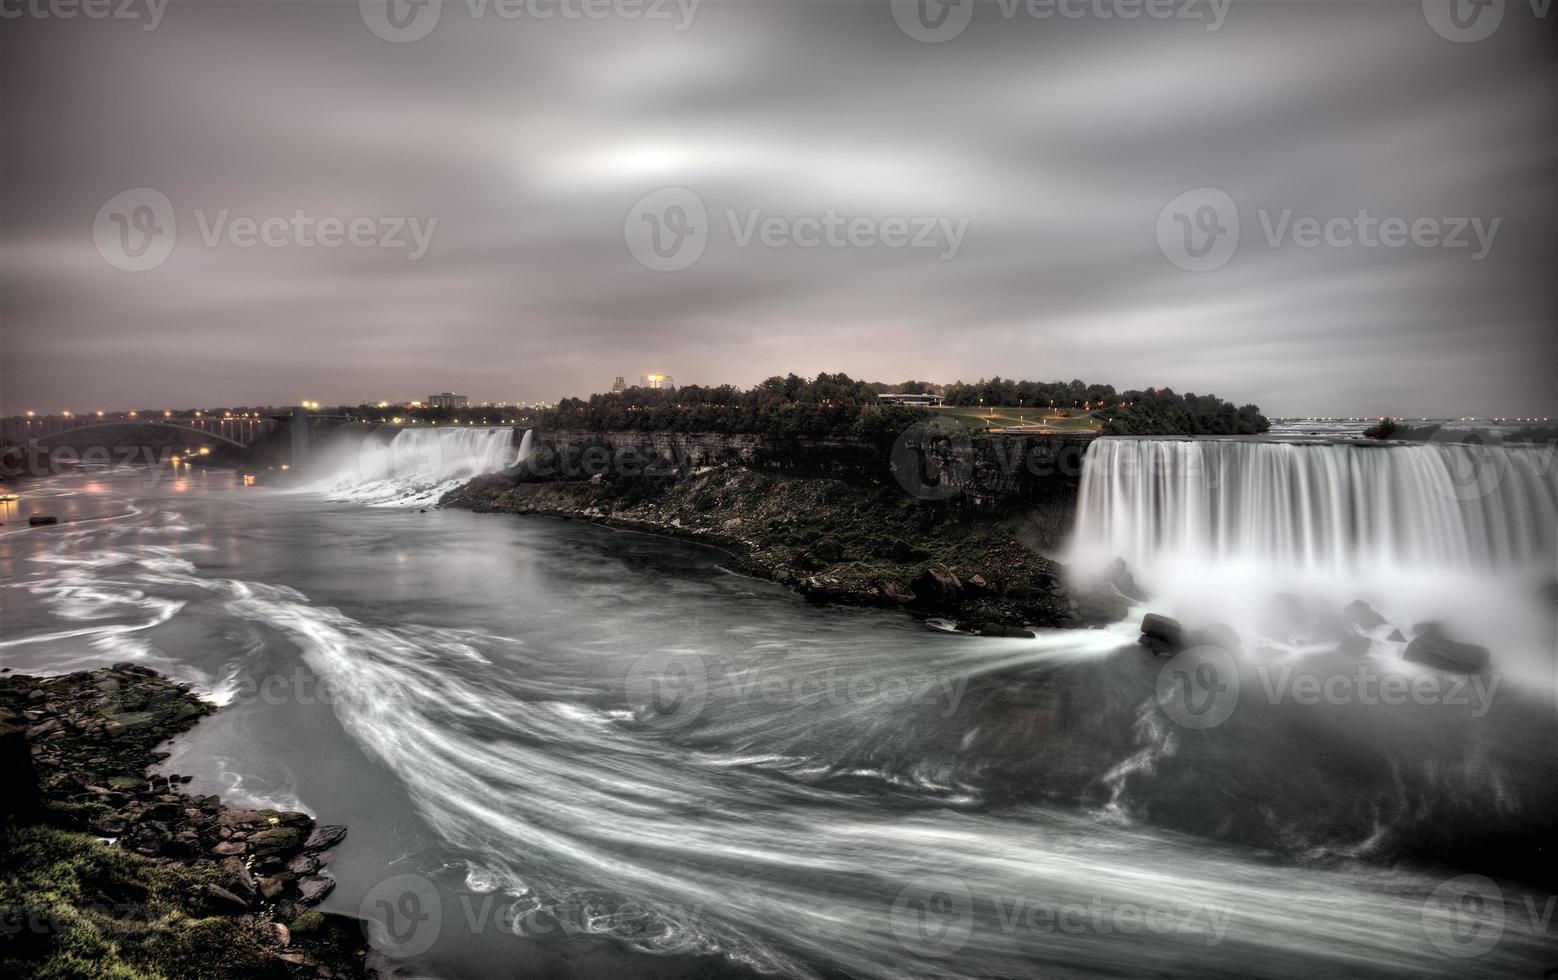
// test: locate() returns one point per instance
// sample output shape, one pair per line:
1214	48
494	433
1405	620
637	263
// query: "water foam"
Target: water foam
415	466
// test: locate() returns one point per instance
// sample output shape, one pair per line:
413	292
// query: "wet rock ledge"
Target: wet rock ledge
107	869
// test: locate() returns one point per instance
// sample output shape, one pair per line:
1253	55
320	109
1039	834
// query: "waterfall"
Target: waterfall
1238	531
1319	507
416	466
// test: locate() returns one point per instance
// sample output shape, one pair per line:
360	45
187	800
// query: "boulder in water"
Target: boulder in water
1396	637
1161	635
39	520
1432	648
1358	611
1120	577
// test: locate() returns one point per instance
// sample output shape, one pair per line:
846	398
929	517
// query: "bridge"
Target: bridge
36	430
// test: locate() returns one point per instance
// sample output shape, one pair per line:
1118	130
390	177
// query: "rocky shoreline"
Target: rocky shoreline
109	866
832	540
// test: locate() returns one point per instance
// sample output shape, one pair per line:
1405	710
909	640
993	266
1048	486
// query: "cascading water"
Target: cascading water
1330	507
1454	532
416	466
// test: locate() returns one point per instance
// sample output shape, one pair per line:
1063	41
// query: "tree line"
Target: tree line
836	405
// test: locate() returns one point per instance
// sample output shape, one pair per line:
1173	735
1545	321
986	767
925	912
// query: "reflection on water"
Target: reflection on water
598	752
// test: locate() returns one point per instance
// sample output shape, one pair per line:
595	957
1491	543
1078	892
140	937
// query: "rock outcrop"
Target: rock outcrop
89	741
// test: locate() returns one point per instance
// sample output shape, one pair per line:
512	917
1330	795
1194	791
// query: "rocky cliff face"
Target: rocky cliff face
1035	476
953	531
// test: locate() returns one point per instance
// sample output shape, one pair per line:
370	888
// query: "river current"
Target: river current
570	751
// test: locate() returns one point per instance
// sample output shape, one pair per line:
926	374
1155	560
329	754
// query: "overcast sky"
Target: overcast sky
1027	162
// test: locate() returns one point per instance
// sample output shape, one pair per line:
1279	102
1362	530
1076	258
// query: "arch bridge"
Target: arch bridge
24	431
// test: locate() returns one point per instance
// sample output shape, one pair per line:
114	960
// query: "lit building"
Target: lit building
448	399
619	385
657	381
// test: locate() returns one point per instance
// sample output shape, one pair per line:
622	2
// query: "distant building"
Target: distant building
448	399
895	399
657	381
619	385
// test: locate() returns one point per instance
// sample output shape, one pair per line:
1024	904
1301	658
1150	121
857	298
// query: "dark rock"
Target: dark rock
40	520
313	889
1396	637
226	900
1359	612
241	818
1013	632
896	591
303	865
108	826
164	811
1098	601
324	837
1161	635
273	853
1433	649
937	584
307	922
1120	577
45	728
238	879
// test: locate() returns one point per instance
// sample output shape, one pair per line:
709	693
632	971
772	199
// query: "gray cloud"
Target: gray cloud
1059	141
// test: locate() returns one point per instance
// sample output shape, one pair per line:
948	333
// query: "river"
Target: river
564	750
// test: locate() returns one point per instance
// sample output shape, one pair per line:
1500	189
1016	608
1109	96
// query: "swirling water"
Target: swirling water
832	792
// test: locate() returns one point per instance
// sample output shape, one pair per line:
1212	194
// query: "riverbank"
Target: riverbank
832	540
111	872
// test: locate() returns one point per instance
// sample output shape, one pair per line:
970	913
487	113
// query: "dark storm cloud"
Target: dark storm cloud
520	147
